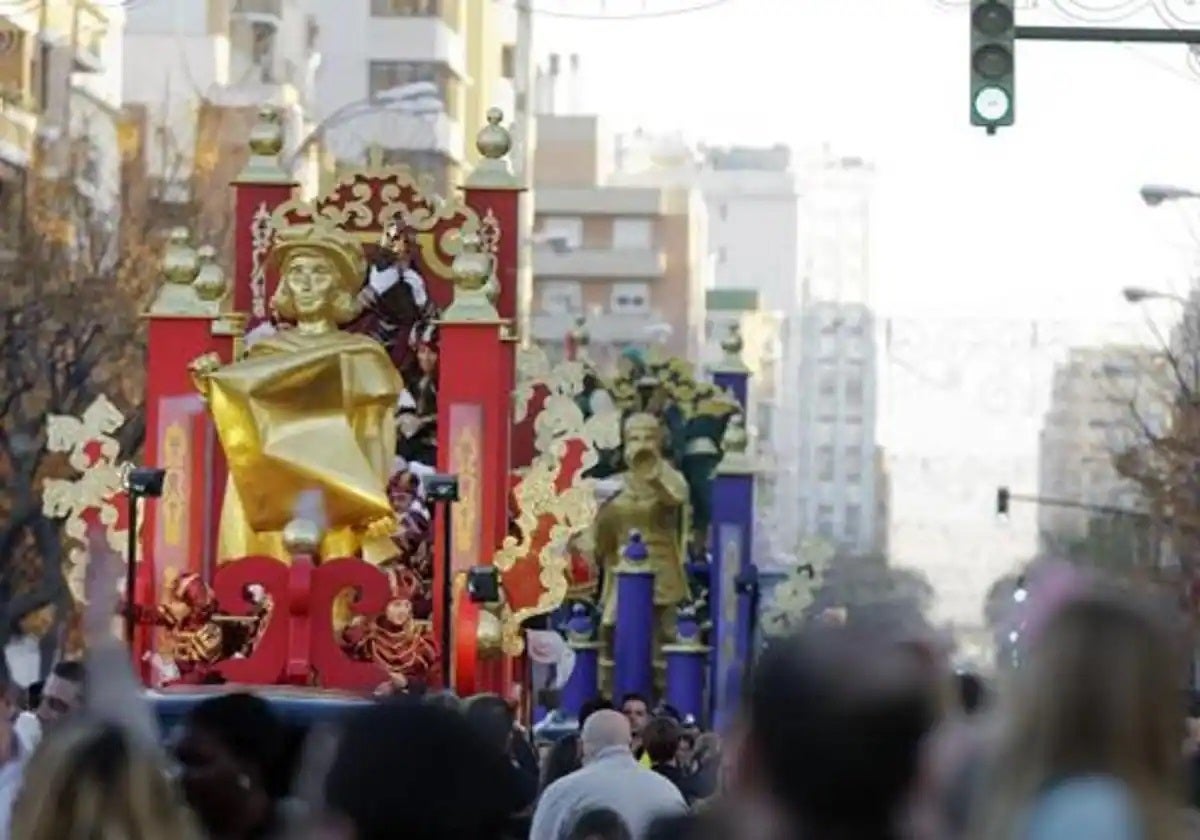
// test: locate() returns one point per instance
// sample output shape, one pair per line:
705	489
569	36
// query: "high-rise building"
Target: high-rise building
1100	397
60	95
468	51
837	373
632	260
837	464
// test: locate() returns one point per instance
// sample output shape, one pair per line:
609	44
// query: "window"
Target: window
854	391
561	297
723	212
567	230
632	234
721	255
405	8
825	521
853	523
825	463
853	463
630	299
385	75
828	387
508	61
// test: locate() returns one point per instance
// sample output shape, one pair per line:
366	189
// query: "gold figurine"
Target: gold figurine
310	408
653	502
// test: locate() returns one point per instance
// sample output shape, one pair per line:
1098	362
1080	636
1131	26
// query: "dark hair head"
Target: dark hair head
593	705
491	717
71	670
564	757
245	725
836	721
633	696
660	739
401	758
599	824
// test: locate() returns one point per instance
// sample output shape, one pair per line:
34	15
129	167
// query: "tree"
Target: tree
83	268
870	589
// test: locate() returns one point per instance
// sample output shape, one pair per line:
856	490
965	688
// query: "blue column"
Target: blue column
732	538
583	684
633	646
687	661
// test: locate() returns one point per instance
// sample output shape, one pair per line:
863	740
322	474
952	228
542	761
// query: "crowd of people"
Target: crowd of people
845	734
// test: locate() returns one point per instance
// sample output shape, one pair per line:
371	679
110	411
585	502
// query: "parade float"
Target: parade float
358	473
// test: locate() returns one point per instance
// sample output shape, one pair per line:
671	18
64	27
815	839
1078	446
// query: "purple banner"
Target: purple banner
733	534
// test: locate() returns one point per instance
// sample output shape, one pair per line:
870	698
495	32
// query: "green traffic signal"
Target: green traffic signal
993	36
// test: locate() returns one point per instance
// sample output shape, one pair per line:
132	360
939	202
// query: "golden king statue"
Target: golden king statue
309	410
653	501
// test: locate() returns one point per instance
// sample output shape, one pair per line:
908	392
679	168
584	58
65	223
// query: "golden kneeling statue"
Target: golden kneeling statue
310	408
653	502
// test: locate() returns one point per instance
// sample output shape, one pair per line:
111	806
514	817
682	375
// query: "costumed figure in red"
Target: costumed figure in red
416	415
402	646
394	297
195	640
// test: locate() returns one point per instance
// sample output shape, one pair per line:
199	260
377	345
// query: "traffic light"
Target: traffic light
1002	498
993	36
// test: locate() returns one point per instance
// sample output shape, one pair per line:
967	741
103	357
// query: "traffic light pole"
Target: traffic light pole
1107	34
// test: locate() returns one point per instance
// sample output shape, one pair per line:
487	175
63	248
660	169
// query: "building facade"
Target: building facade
1091	418
467	49
632	260
196	73
60	96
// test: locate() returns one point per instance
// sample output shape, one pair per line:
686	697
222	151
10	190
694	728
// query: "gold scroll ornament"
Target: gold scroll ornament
465	458
98	482
571	511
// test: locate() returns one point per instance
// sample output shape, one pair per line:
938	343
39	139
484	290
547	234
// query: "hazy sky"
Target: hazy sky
1041	221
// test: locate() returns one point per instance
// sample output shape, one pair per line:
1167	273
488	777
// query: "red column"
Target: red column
177	529
477	370
260	188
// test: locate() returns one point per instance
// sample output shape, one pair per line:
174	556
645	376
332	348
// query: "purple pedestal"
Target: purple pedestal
733	534
686	665
583	683
633	645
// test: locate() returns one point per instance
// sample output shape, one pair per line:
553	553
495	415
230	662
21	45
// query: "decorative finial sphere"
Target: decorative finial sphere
494	141
179	264
732	344
266	138
635	550
210	282
302	537
471	267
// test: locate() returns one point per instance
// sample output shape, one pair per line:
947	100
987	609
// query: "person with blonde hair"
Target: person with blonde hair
1090	742
97	780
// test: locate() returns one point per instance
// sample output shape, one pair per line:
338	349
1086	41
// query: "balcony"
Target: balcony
417	39
18	129
260	11
91	27
596	263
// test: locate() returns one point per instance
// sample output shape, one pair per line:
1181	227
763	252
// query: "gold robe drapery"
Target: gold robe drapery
306	412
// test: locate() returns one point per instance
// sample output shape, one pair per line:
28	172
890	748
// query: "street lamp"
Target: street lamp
1137	294
417	98
1156	194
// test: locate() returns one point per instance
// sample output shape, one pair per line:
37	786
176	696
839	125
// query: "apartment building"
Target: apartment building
196	67
60	95
633	260
1094	392
467	49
